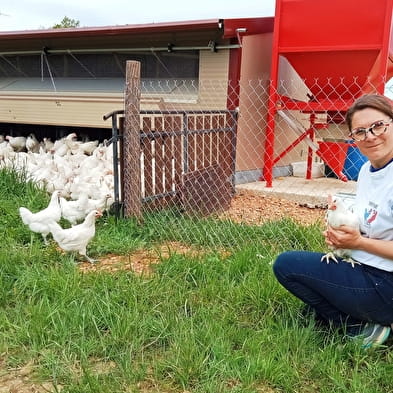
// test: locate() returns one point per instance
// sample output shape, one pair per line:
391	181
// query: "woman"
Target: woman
357	297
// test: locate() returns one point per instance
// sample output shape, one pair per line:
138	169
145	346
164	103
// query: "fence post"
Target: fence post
131	141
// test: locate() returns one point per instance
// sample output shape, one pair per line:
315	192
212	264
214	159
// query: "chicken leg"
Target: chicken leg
330	255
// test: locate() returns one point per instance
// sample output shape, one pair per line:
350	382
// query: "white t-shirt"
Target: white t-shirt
374	207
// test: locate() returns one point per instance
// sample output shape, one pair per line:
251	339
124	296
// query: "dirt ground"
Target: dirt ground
255	208
246	207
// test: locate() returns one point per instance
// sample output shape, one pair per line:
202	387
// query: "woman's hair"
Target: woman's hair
374	101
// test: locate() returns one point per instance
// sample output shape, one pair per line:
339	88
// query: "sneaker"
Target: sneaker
373	335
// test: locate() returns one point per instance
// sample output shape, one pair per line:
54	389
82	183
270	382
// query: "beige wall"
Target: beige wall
213	79
212	85
254	82
55	109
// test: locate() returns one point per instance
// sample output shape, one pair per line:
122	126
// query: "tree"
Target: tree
66	23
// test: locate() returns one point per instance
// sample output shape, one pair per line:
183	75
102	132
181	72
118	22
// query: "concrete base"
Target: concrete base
242	177
311	193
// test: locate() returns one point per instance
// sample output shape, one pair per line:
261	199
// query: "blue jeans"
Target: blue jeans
338	293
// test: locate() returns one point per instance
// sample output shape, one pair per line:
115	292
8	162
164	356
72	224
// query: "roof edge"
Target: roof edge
228	26
114	30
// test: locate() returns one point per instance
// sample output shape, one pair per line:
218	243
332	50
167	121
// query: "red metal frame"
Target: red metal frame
335	41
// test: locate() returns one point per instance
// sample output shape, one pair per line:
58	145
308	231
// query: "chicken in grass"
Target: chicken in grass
76	238
74	211
338	214
102	203
39	222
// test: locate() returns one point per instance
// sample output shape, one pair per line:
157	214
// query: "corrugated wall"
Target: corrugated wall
86	110
55	109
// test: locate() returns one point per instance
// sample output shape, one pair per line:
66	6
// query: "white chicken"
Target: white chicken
6	152
338	214
18	143
85	147
77	237
48	144
102	203
64	145
39	222
32	144
75	210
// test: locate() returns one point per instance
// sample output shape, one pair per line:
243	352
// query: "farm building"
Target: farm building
71	77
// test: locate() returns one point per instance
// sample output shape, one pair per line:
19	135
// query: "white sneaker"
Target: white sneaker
374	334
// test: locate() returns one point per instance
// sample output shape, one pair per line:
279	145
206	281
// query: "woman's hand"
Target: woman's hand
350	238
342	237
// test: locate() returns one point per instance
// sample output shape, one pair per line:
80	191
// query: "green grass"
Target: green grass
212	322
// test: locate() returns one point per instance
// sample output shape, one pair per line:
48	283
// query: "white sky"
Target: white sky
38	14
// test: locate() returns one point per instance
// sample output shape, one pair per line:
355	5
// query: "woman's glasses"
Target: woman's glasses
377	128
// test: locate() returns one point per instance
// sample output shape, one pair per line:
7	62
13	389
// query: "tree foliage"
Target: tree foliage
66	23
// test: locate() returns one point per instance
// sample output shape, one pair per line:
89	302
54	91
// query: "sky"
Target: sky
39	14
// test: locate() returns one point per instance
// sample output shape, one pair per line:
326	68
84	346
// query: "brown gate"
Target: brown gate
185	158
188	158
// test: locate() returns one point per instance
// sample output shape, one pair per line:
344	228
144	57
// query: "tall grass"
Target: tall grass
206	322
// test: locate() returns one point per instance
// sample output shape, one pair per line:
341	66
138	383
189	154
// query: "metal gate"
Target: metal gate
187	159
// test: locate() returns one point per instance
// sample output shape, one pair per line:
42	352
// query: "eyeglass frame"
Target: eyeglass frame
366	130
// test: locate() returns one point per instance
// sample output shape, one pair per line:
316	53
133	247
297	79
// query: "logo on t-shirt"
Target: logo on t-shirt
370	215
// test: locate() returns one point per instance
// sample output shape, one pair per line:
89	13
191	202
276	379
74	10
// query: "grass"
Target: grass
209	322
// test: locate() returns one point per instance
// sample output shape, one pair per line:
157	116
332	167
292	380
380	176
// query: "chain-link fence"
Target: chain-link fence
208	159
194	159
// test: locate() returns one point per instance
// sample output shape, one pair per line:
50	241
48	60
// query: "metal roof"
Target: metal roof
191	32
113	30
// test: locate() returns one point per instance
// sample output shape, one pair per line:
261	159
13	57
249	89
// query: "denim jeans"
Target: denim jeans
339	293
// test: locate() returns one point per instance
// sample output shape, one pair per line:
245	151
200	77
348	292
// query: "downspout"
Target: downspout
235	60
233	93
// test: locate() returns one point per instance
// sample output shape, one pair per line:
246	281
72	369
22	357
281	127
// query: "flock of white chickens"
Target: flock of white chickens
78	175
73	167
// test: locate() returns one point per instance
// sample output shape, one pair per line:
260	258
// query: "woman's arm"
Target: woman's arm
348	237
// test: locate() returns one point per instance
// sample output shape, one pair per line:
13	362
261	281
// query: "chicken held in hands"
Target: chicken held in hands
76	238
39	222
338	214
